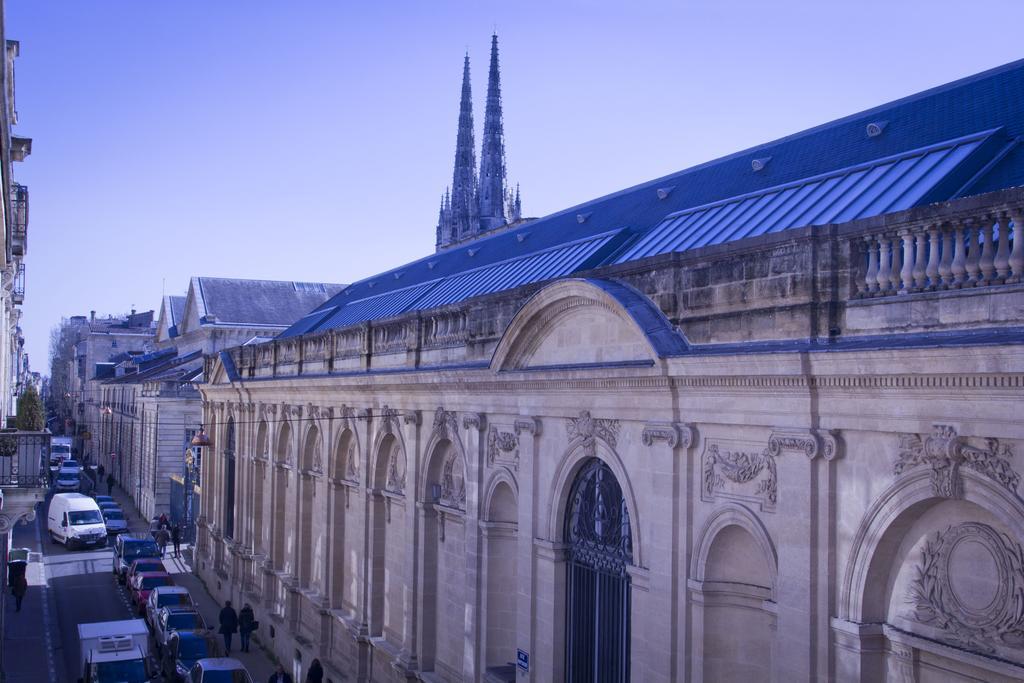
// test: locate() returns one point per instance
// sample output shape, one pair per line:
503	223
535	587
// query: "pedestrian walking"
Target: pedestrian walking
176	538
246	625
162	537
279	676
110	484
315	673
163	520
101	470
228	624
19	588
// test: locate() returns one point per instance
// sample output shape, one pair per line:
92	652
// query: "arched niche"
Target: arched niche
581	322
345	463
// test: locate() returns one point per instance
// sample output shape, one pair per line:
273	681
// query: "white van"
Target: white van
76	521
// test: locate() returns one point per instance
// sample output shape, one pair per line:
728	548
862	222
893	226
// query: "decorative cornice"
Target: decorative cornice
672	433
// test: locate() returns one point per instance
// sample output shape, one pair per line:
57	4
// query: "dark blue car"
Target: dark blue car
185	648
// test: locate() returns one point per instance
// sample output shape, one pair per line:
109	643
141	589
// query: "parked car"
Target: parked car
130	548
110	504
75	521
183	650
142	583
71	463
219	670
68	478
167	596
115	521
103	499
143	564
171	619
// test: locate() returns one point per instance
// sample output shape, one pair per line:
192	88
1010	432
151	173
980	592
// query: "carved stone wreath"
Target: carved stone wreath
446	425
946	452
990	616
389	420
586	430
740	467
502	447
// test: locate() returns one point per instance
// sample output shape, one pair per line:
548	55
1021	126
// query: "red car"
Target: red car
143	564
142	583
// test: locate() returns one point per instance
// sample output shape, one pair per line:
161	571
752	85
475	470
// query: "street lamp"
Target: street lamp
193	460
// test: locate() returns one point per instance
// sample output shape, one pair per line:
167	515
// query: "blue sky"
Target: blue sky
312	140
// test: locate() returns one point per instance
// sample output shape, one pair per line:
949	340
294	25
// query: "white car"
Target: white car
68	479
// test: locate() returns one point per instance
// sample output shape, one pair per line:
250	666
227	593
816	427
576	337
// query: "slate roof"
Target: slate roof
951	141
175	307
263	303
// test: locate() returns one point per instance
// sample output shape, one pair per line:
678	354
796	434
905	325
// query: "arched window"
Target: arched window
600	542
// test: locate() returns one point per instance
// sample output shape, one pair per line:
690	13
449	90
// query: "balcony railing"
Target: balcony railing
977	250
19	222
18	291
24	459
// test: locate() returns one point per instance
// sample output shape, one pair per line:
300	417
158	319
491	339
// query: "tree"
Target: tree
31	417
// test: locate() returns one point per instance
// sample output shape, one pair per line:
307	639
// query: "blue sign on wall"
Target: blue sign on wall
523	660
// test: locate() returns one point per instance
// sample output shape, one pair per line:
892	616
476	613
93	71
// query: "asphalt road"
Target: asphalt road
82	589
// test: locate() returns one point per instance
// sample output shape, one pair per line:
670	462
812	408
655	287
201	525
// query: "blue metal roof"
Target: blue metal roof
929	150
881	186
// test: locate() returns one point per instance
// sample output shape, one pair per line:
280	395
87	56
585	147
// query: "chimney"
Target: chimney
92	316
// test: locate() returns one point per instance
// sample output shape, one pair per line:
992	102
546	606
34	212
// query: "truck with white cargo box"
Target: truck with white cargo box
115	652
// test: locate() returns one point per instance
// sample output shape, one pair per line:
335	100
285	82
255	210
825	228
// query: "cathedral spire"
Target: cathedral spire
492	152
464	208
444	220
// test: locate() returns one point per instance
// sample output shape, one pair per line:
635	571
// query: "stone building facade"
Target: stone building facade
775	453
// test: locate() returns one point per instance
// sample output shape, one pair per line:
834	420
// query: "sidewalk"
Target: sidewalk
256	661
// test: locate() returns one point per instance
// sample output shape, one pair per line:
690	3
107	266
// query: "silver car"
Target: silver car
171	619
115	521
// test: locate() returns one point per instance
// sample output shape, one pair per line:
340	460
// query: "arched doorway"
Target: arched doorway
600	548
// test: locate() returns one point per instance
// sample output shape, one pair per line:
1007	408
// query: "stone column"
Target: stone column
527	431
804	551
409	657
473	426
654	655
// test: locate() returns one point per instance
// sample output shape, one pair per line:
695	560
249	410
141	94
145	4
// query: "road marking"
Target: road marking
51	663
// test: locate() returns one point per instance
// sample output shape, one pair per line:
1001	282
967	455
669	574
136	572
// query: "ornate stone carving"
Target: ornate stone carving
741	468
946	452
395	482
475	421
389	420
585	430
810	442
446	425
351	470
412	417
527	424
502	447
453	482
981	608
672	433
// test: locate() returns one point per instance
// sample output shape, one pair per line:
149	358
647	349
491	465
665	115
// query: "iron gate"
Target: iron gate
598	587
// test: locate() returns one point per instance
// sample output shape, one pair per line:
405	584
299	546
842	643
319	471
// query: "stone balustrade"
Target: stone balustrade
978	249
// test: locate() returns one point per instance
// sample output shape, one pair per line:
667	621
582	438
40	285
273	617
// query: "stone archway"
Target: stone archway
598	534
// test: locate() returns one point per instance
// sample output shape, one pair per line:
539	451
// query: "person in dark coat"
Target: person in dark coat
162	537
228	624
279	676
110	484
19	588
246	625
176	539
315	673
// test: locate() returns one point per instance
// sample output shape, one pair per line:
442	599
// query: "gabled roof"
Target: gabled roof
951	141
255	303
172	312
